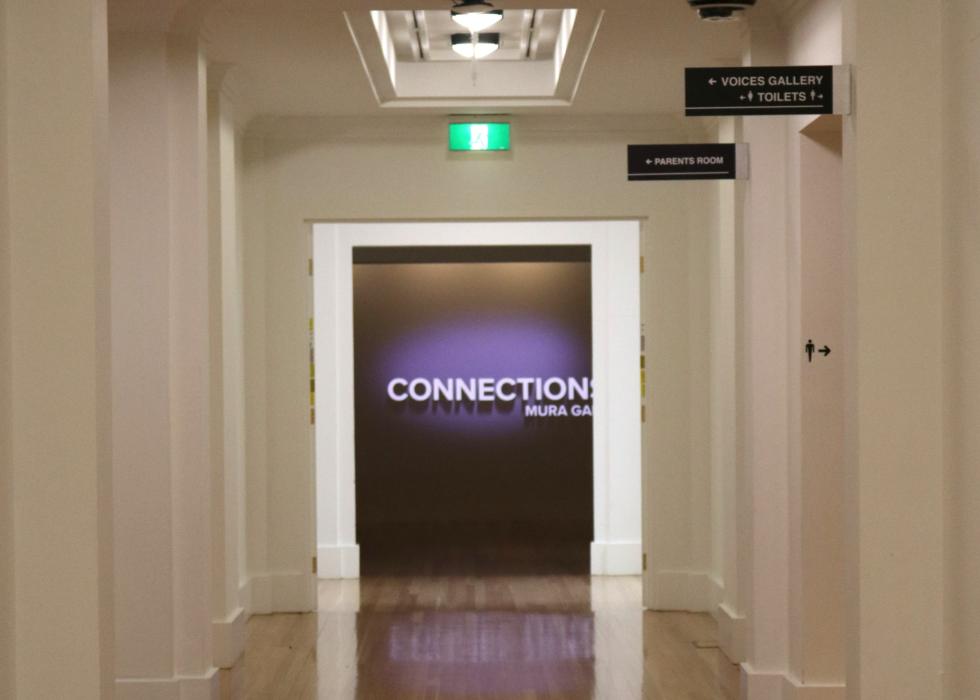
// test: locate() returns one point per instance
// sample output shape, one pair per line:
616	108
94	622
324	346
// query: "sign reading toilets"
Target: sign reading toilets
475	359
762	90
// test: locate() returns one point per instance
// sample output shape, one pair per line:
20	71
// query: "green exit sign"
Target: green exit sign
492	136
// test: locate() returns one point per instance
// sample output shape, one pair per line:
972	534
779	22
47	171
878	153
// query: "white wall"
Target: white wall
962	270
399	169
55	222
813	33
893	223
7	675
616	546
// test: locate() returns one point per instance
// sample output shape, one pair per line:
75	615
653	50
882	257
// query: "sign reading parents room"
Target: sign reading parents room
687	161
473	390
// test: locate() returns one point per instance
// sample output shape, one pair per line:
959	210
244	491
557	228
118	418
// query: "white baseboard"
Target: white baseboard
690	591
338	561
793	689
264	594
255	596
716	591
731	633
245	596
206	687
229	639
760	685
783	686
623	558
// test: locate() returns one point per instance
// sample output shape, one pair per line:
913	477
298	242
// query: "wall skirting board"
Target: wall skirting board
623	558
229	639
757	685
263	594
731	633
716	591
691	591
794	690
206	687
338	561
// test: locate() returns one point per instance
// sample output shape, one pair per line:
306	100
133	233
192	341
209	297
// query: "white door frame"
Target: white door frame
616	548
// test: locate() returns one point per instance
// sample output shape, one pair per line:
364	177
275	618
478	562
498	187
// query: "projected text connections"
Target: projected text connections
538	397
687	161
767	90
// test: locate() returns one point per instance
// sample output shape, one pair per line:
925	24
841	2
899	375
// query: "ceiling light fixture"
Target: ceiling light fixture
720	10
475	45
475	15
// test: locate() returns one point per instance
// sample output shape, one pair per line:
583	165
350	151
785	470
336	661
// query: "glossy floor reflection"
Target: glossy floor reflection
388	638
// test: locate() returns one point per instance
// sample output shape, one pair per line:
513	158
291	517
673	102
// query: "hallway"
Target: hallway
720	444
399	638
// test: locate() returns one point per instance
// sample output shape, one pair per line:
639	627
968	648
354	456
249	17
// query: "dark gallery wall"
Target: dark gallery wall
487	472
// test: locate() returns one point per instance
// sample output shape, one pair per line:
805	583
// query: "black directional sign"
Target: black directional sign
684	161
762	90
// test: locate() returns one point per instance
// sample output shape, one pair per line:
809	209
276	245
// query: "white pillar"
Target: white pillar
816	511
54	426
227	377
160	368
725	306
676	469
256	596
894	461
765	391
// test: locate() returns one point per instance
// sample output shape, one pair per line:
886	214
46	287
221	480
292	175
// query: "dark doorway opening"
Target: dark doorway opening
473	428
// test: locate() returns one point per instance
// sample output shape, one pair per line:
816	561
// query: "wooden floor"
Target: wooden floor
481	637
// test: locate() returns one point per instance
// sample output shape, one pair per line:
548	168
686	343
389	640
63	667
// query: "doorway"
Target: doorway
421	456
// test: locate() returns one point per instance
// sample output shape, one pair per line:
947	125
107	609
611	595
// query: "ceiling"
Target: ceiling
297	57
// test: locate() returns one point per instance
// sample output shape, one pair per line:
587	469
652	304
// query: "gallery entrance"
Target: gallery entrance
473	409
477	398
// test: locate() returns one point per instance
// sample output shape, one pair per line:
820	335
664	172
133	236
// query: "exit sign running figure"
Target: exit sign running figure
487	136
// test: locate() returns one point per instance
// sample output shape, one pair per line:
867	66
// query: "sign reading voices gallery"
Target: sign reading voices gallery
766	90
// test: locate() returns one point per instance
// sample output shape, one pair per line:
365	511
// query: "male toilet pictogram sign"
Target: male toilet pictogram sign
810	348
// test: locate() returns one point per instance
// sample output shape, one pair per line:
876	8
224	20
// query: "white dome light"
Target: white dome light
477	21
484	45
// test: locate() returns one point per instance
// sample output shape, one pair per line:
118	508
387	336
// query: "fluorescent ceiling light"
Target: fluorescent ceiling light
477	21
485	44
